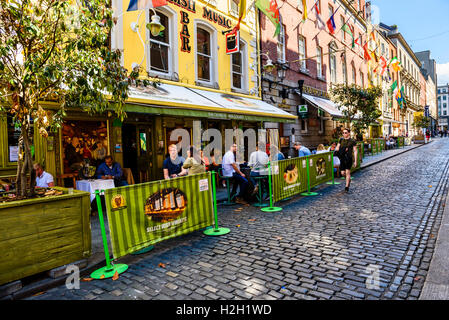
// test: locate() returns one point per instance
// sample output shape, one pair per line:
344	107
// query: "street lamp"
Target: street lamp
155	25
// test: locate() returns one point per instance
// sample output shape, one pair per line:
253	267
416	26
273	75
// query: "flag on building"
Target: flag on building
145	4
383	64
331	24
242	13
395	64
346	28
319	22
304	14
271	10
366	54
394	88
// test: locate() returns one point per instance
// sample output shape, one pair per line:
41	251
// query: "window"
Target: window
319	62
362	79
444	113
304	126
160	49
354	76
234	7
333	67
14	131
345	71
302	53
238	67
204	56
281	44
322	127
444	97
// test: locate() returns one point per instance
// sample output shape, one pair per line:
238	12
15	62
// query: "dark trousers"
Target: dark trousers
242	182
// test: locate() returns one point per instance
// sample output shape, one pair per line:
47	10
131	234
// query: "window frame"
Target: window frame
173	42
213	53
281	35
303	63
319	56
244	68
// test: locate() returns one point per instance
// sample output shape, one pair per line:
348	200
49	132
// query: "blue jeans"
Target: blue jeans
120	183
242	182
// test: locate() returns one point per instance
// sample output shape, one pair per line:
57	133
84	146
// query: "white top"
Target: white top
258	161
321	151
228	160
44	180
92	185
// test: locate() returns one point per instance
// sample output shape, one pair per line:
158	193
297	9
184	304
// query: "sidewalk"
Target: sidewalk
436	286
97	258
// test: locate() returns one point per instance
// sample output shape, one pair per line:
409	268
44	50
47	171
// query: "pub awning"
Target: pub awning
183	101
324	104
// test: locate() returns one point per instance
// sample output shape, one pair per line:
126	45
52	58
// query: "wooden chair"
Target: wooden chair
60	179
128	176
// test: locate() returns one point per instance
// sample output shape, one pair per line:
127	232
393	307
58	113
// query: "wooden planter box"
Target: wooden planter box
37	235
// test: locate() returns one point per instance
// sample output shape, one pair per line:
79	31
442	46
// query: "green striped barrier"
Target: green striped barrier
289	178
144	214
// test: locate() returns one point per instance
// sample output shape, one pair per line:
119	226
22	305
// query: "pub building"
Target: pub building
198	80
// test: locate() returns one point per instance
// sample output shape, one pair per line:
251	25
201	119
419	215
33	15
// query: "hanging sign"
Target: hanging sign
232	42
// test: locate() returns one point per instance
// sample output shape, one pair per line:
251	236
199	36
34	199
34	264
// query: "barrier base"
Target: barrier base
344	178
333	183
271	209
105	272
286	199
260	204
309	194
216	232
227	203
144	250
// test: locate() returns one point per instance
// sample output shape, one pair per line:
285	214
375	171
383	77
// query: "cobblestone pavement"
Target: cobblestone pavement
324	247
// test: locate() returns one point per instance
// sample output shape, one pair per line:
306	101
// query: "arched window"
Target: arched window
333	62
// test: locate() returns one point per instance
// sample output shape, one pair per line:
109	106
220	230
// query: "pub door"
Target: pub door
145	154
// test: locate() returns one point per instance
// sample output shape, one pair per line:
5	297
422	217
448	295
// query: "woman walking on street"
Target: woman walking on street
345	148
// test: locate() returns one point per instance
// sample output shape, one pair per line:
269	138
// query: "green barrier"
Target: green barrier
144	214
320	168
289	177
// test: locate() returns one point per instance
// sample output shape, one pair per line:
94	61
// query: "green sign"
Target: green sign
289	177
143	214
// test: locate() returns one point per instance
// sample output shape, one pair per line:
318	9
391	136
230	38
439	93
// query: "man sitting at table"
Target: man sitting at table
43	179
111	170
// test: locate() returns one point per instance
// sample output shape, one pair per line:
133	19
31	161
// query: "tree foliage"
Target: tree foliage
420	121
359	106
57	50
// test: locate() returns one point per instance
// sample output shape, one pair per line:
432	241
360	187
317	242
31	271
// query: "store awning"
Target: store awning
323	104
175	100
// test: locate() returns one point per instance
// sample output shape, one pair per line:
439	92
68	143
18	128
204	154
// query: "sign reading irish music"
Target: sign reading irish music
144	214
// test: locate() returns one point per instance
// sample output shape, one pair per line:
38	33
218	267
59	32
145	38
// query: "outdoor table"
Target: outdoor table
92	185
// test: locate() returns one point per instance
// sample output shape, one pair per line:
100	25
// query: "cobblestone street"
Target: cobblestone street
323	247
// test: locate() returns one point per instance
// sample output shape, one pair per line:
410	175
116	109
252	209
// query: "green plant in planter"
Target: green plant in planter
57	51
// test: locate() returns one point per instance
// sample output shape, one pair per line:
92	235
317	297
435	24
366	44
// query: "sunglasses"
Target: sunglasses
346	132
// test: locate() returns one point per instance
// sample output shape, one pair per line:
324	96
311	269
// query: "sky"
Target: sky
423	25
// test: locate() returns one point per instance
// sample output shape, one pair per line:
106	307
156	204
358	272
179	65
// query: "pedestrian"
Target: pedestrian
194	164
231	169
111	170
258	162
298	150
43	179
345	148
332	149
172	166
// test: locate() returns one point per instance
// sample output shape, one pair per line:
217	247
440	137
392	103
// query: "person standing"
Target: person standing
231	169
172	166
345	148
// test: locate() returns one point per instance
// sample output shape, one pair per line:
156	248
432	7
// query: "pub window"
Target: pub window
345	72
238	65
204	56
362	79
160	47
332	65
354	79
14	131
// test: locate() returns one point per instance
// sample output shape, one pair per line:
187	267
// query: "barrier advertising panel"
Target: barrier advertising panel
320	168
289	177
144	214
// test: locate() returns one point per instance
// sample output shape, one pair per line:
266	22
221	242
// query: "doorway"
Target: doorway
138	151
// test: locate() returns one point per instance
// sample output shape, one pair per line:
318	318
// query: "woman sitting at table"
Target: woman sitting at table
111	170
